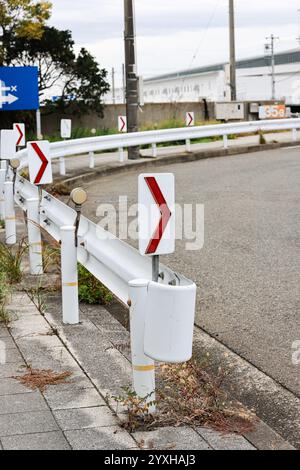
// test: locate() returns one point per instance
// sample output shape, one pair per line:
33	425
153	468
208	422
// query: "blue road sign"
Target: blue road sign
19	89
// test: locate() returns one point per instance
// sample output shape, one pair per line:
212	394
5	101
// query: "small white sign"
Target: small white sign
39	161
156	214
122	123
65	128
190	119
8	139
21	136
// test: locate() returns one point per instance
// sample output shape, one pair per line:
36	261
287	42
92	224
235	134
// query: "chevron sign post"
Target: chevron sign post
20	132
190	119
156	214
122	123
39	160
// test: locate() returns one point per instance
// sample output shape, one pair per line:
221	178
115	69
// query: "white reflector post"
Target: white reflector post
142	366
69	276
34	237
2	181
10	215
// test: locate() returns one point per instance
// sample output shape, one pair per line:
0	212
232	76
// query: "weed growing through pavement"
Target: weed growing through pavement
138	409
5	291
187	394
37	297
11	259
262	139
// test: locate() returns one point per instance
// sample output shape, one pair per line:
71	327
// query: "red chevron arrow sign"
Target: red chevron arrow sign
156	214
40	169
122	123
20	132
190	119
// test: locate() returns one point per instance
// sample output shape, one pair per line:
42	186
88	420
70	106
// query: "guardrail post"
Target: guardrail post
225	141
188	145
154	150
34	237
69	275
294	135
2	205
121	155
10	215
92	160
142	366
62	166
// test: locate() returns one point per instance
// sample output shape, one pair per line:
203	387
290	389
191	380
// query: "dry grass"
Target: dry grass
40	379
190	395
187	395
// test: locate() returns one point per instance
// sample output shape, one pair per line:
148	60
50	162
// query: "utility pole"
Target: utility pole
124	83
232	51
131	75
113	85
270	47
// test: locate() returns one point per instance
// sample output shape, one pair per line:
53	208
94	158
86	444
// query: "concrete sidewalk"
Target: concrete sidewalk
80	413
79	164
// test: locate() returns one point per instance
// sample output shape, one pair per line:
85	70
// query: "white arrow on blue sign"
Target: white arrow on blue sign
19	88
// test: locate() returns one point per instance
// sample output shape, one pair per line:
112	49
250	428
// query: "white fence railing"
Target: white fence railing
115	263
186	134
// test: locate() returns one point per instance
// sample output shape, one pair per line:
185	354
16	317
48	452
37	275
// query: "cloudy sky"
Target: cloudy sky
177	34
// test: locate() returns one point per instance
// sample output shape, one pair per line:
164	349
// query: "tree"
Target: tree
23	19
86	82
60	69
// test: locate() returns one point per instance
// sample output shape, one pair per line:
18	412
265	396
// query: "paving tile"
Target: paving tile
219	441
32	325
19	403
4	333
8	342
77	381
12	370
54	440
11	386
183	438
13	356
73	398
33	345
265	438
27	423
108	438
57	359
83	418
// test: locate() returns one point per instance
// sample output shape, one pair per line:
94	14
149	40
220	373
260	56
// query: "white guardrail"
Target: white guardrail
186	134
161	314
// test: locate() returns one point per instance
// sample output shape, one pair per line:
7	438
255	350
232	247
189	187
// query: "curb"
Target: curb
149	162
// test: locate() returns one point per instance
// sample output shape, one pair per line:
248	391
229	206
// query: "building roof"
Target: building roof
282	58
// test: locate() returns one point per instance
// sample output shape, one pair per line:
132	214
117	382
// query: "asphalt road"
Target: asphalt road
248	272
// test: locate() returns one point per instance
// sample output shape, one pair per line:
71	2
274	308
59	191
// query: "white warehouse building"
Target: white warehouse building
254	80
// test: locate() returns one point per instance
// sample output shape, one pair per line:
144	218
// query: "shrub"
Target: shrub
91	290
